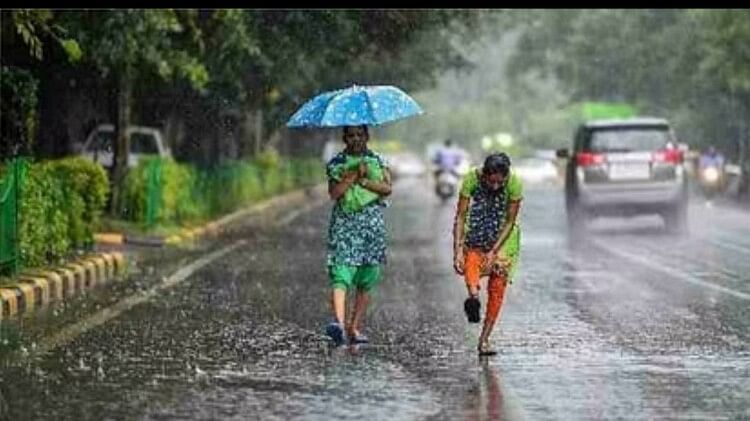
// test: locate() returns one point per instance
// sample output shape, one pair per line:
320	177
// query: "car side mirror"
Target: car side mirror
562	153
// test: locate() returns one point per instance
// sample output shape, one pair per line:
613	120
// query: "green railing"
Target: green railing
164	192
10	196
153	193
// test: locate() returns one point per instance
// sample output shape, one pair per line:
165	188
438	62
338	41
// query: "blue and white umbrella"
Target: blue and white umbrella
357	105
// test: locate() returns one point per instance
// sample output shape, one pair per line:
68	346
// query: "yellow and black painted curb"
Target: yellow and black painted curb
38	287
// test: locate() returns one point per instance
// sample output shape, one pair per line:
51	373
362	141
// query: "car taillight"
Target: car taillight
587	159
668	156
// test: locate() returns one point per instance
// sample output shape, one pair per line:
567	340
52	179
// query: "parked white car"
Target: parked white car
99	145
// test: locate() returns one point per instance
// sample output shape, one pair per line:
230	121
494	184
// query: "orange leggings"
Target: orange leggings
473	265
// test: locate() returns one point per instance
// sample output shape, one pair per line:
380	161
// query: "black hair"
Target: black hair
448	142
496	163
363	126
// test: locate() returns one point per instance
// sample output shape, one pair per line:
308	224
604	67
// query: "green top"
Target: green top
488	208
487	214
356	197
513	188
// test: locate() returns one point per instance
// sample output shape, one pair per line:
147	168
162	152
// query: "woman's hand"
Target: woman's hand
362	169
337	189
350	177
458	262
489	259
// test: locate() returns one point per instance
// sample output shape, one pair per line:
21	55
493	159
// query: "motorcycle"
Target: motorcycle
447	180
446	184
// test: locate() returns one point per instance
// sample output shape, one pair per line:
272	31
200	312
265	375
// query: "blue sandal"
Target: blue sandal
336	332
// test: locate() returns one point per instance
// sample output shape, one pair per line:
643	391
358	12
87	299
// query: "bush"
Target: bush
178	203
60	208
86	188
187	194
240	182
43	226
174	192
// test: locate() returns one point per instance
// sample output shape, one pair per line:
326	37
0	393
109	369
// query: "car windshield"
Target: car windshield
628	139
143	143
103	142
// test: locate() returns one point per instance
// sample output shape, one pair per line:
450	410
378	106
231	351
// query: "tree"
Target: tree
679	63
25	32
128	45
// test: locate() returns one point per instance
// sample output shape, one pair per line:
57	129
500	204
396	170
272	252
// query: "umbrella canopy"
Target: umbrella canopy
354	106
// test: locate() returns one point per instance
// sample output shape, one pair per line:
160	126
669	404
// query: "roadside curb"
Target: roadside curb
210	229
41	286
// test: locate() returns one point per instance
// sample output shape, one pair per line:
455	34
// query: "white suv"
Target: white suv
626	167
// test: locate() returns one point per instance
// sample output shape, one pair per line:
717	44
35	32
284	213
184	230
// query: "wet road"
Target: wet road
629	323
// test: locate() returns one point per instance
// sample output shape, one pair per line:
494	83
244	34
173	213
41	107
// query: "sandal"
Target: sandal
336	332
471	308
484	349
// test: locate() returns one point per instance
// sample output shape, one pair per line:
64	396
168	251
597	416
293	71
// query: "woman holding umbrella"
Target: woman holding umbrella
358	180
356	234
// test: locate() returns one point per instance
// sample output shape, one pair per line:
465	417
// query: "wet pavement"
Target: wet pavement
625	322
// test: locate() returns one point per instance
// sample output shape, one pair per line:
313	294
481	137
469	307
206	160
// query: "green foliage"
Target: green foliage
175	203
86	189
691	66
136	42
32	25
61	205
73	50
189	195
268	159
43	223
19	109
28	23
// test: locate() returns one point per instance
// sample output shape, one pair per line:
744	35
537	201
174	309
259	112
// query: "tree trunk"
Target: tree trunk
258	130
122	143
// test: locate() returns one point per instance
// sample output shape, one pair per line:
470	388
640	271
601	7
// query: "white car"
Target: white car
536	170
99	145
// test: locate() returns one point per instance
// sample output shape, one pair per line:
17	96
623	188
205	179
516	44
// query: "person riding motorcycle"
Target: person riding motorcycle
711	171
449	162
448	158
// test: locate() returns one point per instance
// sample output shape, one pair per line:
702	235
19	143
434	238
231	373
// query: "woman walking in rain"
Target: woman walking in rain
358	180
486	238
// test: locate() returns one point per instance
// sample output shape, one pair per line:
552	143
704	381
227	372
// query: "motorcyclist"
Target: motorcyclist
712	158
448	158
711	167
